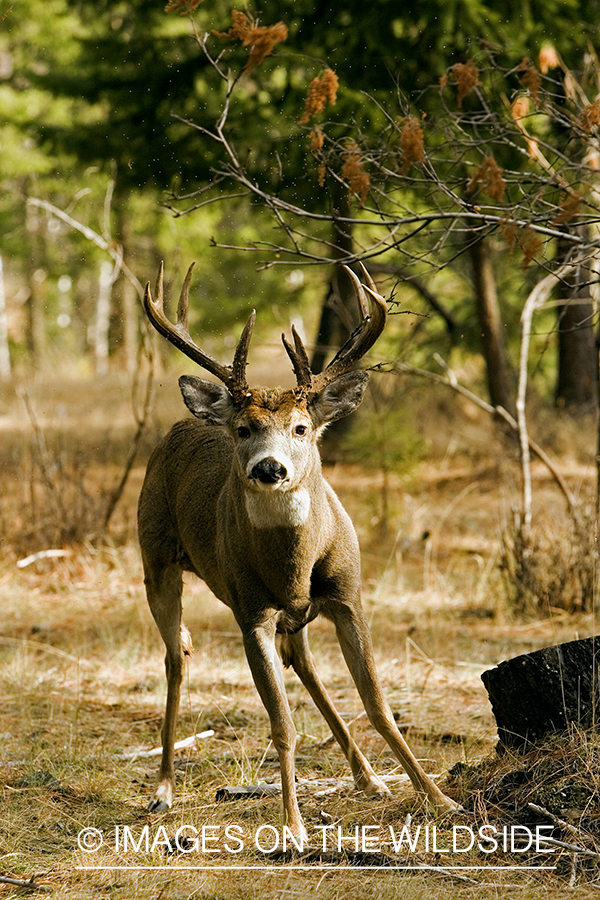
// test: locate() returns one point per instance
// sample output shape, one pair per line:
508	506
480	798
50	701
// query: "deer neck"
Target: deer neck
279	509
290	509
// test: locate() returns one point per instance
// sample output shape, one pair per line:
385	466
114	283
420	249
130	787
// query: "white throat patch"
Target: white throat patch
277	509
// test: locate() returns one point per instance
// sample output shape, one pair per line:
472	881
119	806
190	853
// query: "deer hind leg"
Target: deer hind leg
296	652
163	590
267	672
357	647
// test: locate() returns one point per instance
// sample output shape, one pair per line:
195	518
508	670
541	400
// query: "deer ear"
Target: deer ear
339	398
207	400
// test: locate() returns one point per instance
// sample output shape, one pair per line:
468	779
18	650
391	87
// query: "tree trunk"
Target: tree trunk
4	347
101	345
490	324
126	296
36	276
577	377
339	313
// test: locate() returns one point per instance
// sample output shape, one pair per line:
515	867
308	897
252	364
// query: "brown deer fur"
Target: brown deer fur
236	496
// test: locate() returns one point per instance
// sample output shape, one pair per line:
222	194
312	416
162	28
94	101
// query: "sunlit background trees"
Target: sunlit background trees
110	113
452	147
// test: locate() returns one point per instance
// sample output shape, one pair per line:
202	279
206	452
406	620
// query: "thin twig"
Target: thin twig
113	251
535	301
452	382
156	751
44	457
572	847
30	885
142	421
575	833
41	554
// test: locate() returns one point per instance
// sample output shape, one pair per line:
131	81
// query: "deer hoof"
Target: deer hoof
447	805
158	806
375	788
162	800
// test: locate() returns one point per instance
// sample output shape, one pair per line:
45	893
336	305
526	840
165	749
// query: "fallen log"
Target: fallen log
545	692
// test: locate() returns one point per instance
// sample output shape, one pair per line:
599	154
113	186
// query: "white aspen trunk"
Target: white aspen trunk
4	349
535	300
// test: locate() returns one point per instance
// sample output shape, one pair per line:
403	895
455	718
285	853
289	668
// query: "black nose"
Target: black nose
269	471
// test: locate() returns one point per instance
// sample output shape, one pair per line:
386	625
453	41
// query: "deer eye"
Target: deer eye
243	431
299	430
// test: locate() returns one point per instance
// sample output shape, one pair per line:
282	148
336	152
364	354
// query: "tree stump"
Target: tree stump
545	692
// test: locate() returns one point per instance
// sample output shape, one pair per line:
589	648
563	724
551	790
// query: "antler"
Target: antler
233	376
359	342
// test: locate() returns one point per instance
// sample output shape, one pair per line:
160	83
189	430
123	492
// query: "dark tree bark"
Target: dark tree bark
577	376
490	324
339	313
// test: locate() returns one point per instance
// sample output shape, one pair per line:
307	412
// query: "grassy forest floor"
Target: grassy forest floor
82	677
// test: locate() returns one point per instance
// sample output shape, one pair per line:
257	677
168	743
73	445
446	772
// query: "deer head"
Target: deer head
275	430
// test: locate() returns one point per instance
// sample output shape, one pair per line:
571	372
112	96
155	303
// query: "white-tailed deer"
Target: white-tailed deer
237	497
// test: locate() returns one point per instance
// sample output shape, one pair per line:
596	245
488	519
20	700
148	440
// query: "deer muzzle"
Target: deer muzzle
269	471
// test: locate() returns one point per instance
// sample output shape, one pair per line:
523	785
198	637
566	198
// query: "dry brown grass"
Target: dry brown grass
552	568
81	680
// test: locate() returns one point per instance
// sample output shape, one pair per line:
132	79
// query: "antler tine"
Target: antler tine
178	335
155	308
362	339
358	289
370	283
240	359
299	358
184	301
159	285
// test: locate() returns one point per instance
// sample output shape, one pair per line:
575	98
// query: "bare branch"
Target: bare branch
452	382
113	251
535	301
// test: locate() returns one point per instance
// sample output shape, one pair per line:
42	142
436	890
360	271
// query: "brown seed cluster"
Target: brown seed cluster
589	117
260	38
568	207
321	91
531	245
411	142
353	172
466	77
488	176
509	230
317	139
531	79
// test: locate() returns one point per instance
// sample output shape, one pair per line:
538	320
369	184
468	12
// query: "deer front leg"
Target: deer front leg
296	652
163	796
267	672
357	647
163	589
